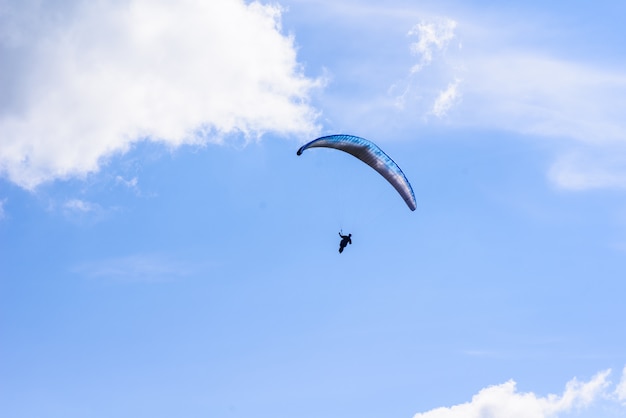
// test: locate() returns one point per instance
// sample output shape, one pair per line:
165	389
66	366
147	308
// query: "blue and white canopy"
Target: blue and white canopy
372	155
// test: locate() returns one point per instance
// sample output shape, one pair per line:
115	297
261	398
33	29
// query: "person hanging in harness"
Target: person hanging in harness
345	240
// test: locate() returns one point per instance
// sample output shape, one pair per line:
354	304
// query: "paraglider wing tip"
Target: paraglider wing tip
299	151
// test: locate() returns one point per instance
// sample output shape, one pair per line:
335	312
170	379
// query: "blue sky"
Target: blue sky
164	252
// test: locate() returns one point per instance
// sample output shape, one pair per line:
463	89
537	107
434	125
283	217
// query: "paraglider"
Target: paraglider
345	240
372	155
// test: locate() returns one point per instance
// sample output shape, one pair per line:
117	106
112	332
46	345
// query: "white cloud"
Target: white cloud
539	95
536	94
514	86
433	36
447	99
423	90
87	82
591	169
2	213
132	183
506	86
620	392
78	205
83	211
505	401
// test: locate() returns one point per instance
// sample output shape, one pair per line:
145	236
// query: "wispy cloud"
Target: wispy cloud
590	168
538	94
505	401
432	37
82	211
522	89
620	391
525	89
447	99
431	87
86	86
131	184
137	268
80	206
2	213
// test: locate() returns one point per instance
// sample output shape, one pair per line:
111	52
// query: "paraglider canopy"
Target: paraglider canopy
372	155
